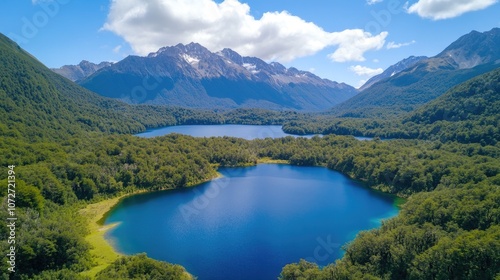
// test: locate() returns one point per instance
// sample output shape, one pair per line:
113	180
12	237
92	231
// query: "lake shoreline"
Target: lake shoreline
103	253
263	131
101	210
244	131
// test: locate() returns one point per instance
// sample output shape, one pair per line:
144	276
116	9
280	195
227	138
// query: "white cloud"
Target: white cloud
371	2
150	25
353	43
365	71
117	49
444	9
394	45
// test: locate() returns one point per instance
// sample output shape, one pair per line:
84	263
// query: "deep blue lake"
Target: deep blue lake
251	222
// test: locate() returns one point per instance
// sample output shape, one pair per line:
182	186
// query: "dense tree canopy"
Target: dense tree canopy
140	267
72	147
467	113
454	186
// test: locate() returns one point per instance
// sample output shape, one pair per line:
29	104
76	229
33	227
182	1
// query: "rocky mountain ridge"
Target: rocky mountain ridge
192	76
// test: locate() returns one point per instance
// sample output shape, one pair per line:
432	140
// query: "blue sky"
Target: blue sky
345	41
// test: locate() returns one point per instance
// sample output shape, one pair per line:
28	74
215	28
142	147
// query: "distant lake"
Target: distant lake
248	132
251	222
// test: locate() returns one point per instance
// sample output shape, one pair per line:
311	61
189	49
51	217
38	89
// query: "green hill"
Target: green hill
467	113
40	104
55	138
406	91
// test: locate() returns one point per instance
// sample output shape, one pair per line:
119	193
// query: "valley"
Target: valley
75	145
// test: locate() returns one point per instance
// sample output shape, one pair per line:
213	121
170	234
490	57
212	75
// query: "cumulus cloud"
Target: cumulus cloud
150	25
365	71
353	43
371	2
394	45
444	9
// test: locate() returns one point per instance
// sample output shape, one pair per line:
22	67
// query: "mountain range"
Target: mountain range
80	71
192	76
38	104
59	137
469	56
393	70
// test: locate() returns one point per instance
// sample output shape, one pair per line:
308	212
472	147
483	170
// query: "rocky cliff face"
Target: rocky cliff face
473	49
192	76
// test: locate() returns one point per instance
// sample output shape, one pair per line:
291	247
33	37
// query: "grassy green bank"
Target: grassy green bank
102	252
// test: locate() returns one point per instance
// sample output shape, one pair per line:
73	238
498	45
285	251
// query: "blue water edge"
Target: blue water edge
251	222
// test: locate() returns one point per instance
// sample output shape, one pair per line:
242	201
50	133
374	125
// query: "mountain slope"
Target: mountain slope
474	49
393	70
40	104
474	99
468	113
471	55
192	76
80	71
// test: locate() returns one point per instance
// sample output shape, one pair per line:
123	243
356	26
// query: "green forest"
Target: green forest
71	148
468	113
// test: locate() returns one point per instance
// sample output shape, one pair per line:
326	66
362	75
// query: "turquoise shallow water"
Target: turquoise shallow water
251	222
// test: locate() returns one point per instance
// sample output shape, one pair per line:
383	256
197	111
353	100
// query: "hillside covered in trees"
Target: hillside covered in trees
71	147
467	113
